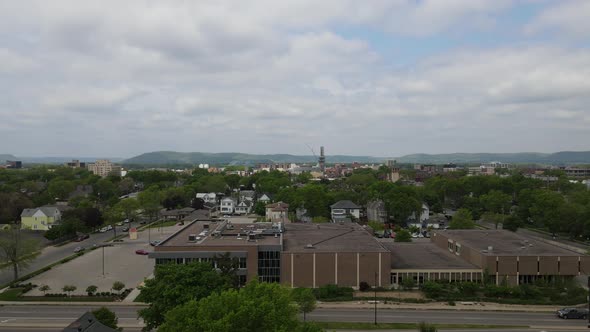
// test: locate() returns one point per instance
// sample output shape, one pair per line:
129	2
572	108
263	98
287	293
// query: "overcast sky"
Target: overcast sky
380	78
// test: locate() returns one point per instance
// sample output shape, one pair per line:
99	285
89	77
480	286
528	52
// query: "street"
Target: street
48	317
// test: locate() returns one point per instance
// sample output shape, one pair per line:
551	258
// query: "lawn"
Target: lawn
158	224
14	294
403	326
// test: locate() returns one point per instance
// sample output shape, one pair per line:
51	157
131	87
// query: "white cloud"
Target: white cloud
569	18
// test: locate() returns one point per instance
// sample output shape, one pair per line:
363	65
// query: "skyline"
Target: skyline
386	80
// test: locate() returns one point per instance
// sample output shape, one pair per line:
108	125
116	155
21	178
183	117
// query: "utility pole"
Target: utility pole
375	299
103	260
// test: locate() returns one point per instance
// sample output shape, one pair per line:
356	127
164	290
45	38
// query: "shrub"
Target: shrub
424	327
91	290
364	286
333	292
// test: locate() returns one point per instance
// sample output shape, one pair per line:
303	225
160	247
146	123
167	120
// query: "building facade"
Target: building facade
40	219
104	168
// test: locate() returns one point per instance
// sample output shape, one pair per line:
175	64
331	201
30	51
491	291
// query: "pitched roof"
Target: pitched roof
278	206
47	210
344	205
87	323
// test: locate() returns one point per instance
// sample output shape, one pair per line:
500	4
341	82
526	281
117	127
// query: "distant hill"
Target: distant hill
564	157
179	158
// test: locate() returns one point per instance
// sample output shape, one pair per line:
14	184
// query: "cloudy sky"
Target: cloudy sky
381	78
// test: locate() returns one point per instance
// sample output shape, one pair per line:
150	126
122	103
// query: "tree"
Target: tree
107	317
403	236
118	286
512	223
128	208
425	327
256	307
496	202
305	300
149	201
462	220
174	285
228	267
91	290
69	289
44	289
60	189
198	203
260	209
17	249
12	205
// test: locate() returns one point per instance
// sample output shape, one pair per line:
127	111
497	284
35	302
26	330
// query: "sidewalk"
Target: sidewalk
460	306
64	303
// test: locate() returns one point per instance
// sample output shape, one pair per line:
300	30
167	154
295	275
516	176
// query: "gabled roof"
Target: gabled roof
344	205
278	206
87	323
47	211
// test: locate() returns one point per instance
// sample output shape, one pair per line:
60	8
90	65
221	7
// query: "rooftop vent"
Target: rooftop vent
192	237
309	246
490	248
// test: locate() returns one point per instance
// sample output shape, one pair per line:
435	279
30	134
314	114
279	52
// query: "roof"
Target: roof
228	235
248	193
87	323
504	242
47	210
344	205
201	195
278	206
328	237
424	255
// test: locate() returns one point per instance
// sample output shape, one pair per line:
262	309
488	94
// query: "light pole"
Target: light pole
103	260
375	299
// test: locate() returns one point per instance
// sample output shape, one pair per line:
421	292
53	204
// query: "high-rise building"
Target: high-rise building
322	160
104	167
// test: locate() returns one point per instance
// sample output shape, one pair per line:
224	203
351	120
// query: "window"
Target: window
451	246
242	263
269	266
457	248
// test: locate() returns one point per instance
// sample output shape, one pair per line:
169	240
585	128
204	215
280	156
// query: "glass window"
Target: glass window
269	266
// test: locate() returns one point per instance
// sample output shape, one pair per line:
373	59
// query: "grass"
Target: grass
404	326
12	294
158	224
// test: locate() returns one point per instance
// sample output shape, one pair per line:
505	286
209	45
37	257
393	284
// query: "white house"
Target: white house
345	211
424	215
247	195
227	205
244	207
208	197
265	198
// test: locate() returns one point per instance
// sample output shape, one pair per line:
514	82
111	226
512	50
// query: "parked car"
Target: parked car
141	252
126	221
120	223
78	249
125	229
82	237
155	243
143	222
573	313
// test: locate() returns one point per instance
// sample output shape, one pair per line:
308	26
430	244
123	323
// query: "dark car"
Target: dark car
125	229
82	237
141	252
573	313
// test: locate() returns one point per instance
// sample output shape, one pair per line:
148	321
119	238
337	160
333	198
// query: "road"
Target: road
47	317
52	254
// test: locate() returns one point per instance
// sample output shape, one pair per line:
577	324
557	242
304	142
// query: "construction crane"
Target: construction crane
312	151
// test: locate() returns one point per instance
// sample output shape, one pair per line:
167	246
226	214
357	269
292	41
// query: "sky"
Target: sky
378	78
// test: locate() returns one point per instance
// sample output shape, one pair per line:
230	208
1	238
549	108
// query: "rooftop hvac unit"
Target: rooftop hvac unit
205	226
490	248
192	237
309	246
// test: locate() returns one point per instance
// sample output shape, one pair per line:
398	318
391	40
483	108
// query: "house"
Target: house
265	198
227	205
87	323
277	212
247	195
244	207
208	197
178	214
424	215
376	211
41	218
345	211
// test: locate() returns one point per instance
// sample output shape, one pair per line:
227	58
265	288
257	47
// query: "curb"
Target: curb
71	304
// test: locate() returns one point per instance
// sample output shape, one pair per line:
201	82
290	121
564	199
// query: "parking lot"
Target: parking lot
121	263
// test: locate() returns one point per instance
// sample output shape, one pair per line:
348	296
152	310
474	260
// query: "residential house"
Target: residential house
265	198
41	218
376	211
244	207
88	323
247	195
277	212
345	211
208	197
177	214
227	205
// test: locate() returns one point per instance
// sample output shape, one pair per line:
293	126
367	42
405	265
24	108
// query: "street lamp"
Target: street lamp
375	299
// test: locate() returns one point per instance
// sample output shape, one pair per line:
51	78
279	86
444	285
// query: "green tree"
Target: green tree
401	203
260	209
128	207
60	189
174	285
228	267
17	249
90	290
12	205
118	286
44	289
376	226
107	317
462	220
547	210
149	201
256	307
496	202
425	327
305	300
403	235
69	289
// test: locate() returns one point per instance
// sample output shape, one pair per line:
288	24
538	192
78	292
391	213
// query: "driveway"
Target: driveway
120	264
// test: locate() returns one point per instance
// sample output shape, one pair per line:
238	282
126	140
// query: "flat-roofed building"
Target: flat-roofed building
512	257
425	261
315	255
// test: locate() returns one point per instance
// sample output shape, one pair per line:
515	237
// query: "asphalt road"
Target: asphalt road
49	317
53	254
